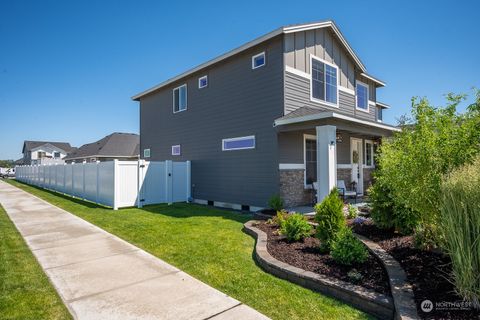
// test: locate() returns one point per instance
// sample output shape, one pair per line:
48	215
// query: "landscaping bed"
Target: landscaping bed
306	255
426	270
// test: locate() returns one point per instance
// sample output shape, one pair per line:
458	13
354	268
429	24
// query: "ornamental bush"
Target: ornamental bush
460	227
411	164
275	202
347	249
295	227
330	219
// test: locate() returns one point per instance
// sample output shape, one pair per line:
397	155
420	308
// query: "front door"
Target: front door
356	157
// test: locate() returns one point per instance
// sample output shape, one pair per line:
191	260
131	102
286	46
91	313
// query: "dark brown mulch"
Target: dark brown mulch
305	255
427	271
269	212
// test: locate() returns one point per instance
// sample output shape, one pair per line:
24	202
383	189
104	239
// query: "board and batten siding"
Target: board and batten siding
297	95
237	102
323	44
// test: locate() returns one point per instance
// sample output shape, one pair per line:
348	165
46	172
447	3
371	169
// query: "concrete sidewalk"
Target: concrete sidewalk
100	276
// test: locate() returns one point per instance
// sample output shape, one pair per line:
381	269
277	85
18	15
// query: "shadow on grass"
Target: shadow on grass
176	210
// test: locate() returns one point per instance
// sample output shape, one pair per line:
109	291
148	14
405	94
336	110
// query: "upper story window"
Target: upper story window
176	150
238	143
56	154
324	84
41	154
361	93
258	60
146	153
202	82
379	114
180	98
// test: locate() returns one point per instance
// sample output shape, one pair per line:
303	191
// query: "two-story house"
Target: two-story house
45	152
271	117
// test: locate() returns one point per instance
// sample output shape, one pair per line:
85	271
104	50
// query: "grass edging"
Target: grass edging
368	301
401	290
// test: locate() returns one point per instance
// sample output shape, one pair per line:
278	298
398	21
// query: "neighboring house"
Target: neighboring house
45	152
270	117
121	146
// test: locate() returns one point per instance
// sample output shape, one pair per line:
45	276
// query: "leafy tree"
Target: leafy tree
7	163
412	163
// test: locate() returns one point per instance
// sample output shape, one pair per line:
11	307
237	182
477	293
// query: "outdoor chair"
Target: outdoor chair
344	192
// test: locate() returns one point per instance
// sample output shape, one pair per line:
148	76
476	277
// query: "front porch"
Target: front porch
325	151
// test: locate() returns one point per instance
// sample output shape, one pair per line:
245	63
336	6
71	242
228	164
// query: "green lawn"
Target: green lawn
25	292
208	244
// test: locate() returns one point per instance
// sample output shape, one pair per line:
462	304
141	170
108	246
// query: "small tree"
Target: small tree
330	219
411	164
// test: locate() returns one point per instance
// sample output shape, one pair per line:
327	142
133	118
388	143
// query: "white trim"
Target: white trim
264	60
179	149
346	90
373	154
360	160
372	103
200	81
173	98
344	166
297	72
291	166
331	104
383	105
330	114
369	77
305	137
227	205
237	139
358	82
200	201
274	33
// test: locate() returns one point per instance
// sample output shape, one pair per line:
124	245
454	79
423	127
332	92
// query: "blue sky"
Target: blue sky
69	68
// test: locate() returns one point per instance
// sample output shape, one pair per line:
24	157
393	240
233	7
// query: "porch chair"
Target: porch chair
344	193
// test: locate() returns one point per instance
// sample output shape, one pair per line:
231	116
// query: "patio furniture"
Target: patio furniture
344	192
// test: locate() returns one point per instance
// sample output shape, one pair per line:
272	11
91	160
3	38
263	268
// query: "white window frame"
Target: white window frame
324	102
357	82
186	98
377	109
200	82
373	154
264	60
179	150
305	137
145	151
239	138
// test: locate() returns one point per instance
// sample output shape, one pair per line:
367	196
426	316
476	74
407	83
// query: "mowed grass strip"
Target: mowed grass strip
209	244
25	292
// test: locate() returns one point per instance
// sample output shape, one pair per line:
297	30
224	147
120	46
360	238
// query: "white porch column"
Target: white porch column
326	160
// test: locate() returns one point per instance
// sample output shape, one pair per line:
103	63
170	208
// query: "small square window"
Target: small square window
146	153
176	150
258	60
202	82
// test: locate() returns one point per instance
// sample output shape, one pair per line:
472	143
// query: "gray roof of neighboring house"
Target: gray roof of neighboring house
282	30
115	145
29	145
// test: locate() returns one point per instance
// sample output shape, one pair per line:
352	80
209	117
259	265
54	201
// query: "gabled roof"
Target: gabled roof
115	145
274	33
29	145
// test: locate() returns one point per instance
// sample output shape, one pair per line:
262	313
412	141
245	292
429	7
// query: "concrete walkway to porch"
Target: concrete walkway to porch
100	276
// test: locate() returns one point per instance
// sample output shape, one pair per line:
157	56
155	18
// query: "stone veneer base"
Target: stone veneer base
368	301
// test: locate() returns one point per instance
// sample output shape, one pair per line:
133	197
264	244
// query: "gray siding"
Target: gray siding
238	102
297	95
323	44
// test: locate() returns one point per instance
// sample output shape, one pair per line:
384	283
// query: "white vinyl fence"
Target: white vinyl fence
114	183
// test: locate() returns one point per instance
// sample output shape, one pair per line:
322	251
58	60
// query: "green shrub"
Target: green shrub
296	227
354	276
347	249
330	219
275	202
411	164
279	219
460	227
352	212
